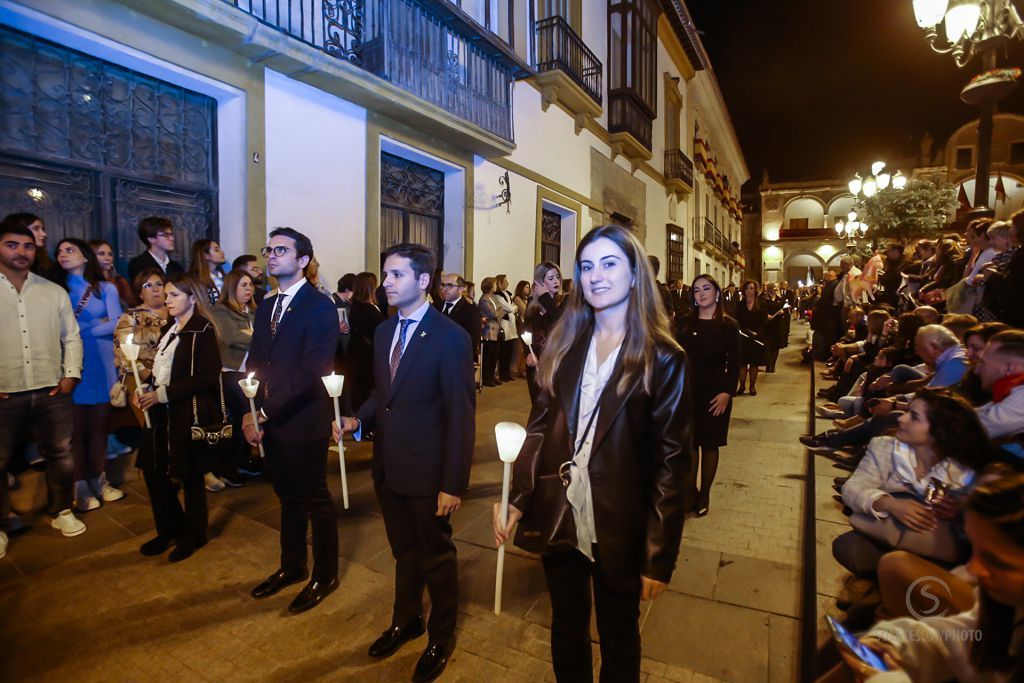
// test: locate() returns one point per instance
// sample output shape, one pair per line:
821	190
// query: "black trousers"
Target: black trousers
505	354
569	577
187	527
490	362
424	553
299	474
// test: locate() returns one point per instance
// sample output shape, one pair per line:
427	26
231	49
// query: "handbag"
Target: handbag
550	526
213	434
118	394
942	544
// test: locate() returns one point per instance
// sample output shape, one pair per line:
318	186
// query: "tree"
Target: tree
918	210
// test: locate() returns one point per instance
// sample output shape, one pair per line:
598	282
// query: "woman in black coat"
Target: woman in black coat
777	330
753	324
612	422
363	319
185	392
712	343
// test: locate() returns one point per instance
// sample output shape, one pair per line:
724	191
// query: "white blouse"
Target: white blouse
165	357
580	495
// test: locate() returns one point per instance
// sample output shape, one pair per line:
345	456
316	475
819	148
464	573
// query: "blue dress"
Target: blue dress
96	323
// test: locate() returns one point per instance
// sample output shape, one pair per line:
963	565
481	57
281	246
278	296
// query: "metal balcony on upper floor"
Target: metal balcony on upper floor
678	172
429	48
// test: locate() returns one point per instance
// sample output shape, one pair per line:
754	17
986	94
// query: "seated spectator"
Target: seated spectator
983	643
959	323
938	446
1005	282
1001	369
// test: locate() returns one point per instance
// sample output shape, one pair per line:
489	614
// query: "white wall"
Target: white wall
316	172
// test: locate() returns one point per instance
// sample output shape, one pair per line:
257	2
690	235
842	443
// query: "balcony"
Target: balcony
429	48
714	241
568	73
630	124
678	173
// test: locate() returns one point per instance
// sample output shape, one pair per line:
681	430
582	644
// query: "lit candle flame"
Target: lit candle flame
128	341
249	378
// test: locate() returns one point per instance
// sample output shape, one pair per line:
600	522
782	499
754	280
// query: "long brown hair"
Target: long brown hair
199	268
93	273
647	325
187	284
229	293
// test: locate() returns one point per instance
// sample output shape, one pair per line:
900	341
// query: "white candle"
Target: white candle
131	351
510	437
249	387
527	338
334	384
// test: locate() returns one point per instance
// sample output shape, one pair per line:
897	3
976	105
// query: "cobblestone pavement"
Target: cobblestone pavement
92	609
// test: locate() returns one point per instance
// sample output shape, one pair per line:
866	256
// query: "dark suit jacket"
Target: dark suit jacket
289	365
424	423
145	260
639	463
467	315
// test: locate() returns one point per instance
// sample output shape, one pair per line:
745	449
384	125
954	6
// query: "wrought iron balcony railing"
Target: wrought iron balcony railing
706	233
558	47
628	114
426	47
678	166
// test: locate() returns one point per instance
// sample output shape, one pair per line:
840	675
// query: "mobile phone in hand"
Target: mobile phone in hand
851	644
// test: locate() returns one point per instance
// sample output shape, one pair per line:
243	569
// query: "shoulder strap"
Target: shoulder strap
84	301
220	383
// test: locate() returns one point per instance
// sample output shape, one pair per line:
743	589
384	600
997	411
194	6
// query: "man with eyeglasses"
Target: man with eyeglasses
295	336
157	233
460	309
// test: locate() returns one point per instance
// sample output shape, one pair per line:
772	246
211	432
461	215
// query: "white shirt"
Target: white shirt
162	262
580	494
39	339
284	298
163	360
414	322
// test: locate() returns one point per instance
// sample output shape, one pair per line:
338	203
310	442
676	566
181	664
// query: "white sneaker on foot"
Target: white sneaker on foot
213	484
85	500
68	524
3	544
106	492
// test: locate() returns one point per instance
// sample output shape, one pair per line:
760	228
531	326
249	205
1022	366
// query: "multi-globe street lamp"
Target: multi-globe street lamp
878	180
976	27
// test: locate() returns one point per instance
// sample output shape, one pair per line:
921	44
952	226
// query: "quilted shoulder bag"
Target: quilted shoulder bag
212	434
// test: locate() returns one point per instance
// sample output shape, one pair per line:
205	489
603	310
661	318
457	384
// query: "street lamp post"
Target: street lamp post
976	27
878	180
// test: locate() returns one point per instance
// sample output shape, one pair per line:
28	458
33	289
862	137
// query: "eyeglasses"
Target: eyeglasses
165	233
448	285
277	251
151	285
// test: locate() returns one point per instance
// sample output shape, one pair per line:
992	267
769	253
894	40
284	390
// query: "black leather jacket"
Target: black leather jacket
639	466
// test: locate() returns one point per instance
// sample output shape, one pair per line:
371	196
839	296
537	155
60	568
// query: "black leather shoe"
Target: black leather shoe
395	637
156	546
312	595
276	582
433	661
184	549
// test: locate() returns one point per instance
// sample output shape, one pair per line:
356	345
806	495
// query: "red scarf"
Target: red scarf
1003	387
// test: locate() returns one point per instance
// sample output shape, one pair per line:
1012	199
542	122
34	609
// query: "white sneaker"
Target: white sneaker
213	484
85	500
3	544
68	524
107	493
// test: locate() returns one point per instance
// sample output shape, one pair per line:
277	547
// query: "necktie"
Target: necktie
448	309
275	319
396	353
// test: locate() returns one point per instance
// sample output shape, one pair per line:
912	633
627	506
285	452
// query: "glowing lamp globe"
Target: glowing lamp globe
510	437
929	13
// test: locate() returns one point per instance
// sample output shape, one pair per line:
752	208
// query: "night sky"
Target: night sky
819	89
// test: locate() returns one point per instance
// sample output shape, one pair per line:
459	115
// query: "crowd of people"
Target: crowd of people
631	384
928	419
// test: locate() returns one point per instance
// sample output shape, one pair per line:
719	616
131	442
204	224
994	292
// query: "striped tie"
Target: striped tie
396	353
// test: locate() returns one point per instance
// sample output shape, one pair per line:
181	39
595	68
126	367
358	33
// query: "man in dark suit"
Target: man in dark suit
295	336
422	415
456	306
157	234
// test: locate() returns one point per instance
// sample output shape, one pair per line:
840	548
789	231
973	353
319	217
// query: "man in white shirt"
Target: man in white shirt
510	335
1001	370
40	364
